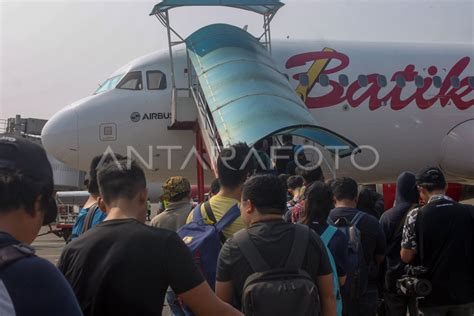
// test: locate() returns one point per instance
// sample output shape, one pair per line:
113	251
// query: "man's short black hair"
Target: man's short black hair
92	185
344	188
266	192
431	178
310	173
215	187
234	165
120	179
295	182
18	190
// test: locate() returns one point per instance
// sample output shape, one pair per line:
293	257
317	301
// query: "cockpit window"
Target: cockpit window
109	84
131	81
156	80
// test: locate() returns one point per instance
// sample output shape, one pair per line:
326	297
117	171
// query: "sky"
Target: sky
55	52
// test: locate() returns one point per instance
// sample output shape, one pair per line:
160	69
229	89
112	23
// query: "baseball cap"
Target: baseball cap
431	176
17	153
176	185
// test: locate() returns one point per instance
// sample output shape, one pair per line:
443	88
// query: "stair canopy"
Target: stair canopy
248	97
263	7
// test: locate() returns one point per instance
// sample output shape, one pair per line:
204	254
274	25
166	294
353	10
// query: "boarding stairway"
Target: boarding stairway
241	95
236	86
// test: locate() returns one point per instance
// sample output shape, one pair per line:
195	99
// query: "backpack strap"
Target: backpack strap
298	249
89	217
209	213
330	222
197	216
229	217
419	226
12	253
250	251
328	234
356	219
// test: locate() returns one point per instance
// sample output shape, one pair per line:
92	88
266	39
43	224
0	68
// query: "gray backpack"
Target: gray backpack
282	291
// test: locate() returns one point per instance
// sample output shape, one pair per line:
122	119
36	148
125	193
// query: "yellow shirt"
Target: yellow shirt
220	205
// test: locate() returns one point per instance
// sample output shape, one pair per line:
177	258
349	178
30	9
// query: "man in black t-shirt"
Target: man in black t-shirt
122	266
439	236
372	238
262	205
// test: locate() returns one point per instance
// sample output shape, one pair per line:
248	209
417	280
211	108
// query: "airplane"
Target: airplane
408	105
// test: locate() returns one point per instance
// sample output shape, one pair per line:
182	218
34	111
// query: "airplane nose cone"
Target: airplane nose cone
60	137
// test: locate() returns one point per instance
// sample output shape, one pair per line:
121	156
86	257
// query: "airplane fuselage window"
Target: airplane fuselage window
131	81
437	82
324	80
400	81
109	84
343	80
156	80
470	80
419	82
455	82
382	81
362	79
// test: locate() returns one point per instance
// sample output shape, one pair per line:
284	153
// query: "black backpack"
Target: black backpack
281	291
357	269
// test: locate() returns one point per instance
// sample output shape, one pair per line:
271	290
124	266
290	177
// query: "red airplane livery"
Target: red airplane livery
372	87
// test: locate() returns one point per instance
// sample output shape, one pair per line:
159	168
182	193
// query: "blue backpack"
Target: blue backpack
326	238
205	240
357	270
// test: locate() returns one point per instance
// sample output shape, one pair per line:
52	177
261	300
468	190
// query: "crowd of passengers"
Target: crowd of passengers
268	241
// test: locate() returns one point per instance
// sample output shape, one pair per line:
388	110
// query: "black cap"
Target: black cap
17	153
431	176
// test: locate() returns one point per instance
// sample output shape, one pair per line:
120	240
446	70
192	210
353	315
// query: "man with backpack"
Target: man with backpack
273	267
215	220
366	249
439	236
123	266
28	285
90	215
234	166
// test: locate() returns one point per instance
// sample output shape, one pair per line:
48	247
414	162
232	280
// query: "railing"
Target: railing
207	124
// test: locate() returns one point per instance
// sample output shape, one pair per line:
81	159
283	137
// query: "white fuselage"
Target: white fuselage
412	103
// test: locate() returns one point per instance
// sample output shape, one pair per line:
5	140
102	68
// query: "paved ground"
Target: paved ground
49	246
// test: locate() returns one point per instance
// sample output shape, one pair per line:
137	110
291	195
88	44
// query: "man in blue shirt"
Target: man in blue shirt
28	285
90	215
